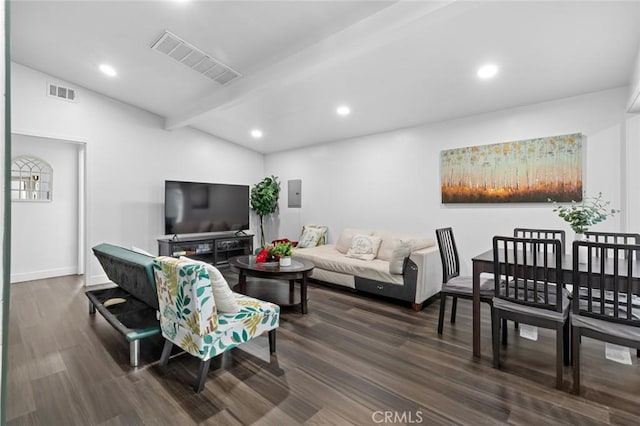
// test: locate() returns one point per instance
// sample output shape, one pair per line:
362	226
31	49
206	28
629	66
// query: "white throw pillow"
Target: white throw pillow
310	237
402	249
364	247
323	236
346	237
223	297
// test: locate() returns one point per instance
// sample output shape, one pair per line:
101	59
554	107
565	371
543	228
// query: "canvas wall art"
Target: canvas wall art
525	171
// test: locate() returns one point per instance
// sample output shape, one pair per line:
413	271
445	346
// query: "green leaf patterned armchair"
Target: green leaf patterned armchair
189	318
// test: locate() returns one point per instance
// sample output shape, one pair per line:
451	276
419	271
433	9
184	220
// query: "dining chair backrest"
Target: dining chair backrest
614	238
554	234
448	254
530	267
617	276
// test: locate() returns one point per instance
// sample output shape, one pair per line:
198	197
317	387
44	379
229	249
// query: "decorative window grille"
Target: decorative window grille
31	179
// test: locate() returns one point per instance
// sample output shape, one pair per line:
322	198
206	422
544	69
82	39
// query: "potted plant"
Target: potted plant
284	250
581	216
264	200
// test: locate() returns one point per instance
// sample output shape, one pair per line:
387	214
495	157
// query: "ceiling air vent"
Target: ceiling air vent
61	92
194	58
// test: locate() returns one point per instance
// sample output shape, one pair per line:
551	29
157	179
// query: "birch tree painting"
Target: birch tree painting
526	171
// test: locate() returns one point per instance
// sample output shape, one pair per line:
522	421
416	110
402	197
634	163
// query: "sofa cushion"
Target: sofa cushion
310	237
390	241
402	250
344	242
328	258
364	247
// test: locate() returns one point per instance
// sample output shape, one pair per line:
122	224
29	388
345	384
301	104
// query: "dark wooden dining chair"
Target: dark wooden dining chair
614	238
535	294
616	319
554	234
453	284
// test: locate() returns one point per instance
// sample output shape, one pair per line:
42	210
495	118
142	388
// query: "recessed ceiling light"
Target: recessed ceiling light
256	133
343	110
487	71
108	70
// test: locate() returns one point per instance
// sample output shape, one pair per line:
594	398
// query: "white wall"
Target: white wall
4	310
44	240
634	87
385	181
129	156
392	180
632	156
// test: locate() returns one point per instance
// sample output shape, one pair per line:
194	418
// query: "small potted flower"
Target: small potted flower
284	250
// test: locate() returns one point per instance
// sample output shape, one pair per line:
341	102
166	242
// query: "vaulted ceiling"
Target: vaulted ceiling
395	64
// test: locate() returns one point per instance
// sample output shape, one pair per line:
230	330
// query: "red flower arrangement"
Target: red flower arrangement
267	254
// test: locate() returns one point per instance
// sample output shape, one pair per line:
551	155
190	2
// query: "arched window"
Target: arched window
31	179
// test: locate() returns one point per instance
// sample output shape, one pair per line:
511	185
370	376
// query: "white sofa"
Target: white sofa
417	279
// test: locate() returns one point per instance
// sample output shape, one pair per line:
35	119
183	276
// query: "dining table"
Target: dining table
484	263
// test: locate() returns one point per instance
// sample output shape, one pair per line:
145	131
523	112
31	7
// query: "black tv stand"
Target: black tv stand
216	249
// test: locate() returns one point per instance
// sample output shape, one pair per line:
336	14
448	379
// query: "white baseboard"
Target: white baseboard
40	275
97	280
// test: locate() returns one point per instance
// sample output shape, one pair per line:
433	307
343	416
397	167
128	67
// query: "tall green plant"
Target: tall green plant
264	200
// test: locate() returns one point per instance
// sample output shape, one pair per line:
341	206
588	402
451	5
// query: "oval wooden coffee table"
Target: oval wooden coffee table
276	292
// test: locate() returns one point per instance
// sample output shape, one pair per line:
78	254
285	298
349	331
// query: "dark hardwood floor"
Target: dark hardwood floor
352	360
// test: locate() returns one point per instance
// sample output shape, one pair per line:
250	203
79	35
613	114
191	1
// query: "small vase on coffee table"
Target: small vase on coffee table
285	261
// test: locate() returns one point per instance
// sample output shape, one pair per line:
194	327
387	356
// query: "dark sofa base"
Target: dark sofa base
375	294
405	292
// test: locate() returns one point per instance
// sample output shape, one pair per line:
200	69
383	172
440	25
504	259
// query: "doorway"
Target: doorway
49	237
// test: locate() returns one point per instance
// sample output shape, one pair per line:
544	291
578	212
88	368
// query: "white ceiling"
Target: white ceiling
394	64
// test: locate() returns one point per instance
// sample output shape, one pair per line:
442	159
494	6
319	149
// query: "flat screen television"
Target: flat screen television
193	207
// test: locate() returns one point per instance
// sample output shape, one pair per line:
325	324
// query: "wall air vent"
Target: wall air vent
61	92
185	53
